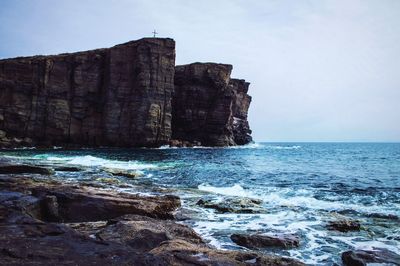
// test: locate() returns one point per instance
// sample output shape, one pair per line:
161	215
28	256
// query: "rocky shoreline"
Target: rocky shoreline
46	222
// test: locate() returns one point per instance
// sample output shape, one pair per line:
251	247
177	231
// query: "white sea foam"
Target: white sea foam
278	147
92	161
235	190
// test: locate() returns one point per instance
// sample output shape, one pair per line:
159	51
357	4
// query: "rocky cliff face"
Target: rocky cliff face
109	97
210	107
120	96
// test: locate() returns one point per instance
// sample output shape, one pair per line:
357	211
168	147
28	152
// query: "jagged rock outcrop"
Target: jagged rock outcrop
210	107
122	97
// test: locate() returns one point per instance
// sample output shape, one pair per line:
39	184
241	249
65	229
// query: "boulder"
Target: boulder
232	205
256	241
344	225
364	257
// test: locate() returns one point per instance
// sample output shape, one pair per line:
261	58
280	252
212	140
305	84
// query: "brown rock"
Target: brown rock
119	96
363	257
24	169
79	203
344	225
209	107
140	232
233	205
256	241
180	252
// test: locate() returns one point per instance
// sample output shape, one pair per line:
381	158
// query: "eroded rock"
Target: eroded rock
363	257
24	169
256	241
232	205
344	225
180	252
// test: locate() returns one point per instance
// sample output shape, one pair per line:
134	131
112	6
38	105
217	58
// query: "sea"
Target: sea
299	188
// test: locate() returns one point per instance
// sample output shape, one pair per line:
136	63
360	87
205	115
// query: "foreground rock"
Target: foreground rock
68	203
24	169
363	257
97	236
257	241
178	252
140	232
232	205
344	225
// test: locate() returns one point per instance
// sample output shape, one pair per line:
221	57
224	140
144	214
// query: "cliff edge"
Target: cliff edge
129	95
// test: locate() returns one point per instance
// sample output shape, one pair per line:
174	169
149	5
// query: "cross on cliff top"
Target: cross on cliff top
154	33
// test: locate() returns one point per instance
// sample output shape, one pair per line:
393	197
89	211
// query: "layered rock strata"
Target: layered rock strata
119	96
209	107
130	95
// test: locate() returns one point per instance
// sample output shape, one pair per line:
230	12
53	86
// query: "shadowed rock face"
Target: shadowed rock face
121	96
209	106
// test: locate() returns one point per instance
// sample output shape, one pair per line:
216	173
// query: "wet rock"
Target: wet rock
364	257
2	134
108	180
256	241
79	203
232	205
384	216
68	169
24	169
183	214
125	173
183	143
180	252
344	225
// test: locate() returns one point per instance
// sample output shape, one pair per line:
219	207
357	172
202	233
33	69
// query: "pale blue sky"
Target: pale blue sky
319	70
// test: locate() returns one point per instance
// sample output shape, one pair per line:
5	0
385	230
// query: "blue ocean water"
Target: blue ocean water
302	186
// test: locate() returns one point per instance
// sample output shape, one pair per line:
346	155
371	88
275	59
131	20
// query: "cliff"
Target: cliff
123	96
210	107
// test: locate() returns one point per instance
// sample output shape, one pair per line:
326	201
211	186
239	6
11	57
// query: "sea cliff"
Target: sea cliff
129	95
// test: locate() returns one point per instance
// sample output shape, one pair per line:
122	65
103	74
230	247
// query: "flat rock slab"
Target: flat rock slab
179	252
24	169
80	204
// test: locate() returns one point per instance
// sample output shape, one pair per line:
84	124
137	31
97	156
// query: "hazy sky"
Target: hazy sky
319	70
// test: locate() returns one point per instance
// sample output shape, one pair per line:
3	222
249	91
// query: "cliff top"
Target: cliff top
157	41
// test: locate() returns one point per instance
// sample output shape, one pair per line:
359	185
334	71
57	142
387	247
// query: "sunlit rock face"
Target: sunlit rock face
129	95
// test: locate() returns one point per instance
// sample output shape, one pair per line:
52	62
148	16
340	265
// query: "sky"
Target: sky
320	70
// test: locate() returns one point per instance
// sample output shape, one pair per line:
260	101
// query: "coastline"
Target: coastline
46	222
221	199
